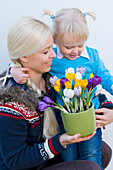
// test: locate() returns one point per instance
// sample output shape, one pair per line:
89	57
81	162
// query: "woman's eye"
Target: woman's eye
80	46
45	52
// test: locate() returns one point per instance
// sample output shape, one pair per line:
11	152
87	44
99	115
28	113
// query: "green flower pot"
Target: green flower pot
82	122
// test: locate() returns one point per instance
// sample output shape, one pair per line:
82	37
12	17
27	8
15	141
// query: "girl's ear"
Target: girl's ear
24	59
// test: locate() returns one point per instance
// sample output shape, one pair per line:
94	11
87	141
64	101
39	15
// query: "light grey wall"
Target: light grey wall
101	31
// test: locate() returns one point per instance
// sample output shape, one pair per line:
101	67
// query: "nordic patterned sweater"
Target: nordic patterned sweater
22	145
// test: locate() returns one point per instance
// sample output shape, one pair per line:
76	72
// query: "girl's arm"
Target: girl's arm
103	72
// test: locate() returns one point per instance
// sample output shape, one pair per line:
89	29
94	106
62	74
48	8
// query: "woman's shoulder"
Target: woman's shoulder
14	92
17	111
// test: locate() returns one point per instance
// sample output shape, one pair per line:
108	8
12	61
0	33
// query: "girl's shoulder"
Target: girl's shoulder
92	52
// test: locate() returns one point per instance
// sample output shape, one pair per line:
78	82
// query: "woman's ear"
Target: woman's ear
54	40
24	59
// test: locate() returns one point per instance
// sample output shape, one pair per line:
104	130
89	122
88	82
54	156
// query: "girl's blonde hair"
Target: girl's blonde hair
70	20
27	36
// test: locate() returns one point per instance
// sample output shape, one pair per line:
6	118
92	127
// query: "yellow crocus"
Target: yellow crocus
68	85
70	76
84	83
91	75
57	82
81	83
77	83
57	88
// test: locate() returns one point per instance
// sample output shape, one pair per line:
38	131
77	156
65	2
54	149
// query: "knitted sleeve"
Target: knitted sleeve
104	102
16	152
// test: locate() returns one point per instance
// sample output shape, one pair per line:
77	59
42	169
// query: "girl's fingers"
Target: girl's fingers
24	69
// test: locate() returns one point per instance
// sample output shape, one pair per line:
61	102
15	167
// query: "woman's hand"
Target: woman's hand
66	139
20	75
105	117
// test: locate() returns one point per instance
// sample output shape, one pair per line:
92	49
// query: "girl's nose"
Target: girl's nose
75	50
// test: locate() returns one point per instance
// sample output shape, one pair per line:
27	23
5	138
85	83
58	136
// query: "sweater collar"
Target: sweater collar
84	53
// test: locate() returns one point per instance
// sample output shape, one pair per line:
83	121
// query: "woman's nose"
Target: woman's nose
53	54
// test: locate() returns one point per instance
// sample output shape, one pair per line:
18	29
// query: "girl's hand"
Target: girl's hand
103	117
66	139
20	75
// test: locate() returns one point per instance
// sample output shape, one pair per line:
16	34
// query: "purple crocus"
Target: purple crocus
77	91
62	82
47	100
43	105
93	82
81	70
89	85
52	80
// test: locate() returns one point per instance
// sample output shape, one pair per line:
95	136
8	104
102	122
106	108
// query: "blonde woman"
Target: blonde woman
28	137
70	32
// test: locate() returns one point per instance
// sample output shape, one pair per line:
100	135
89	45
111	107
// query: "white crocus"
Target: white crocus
99	89
69	70
68	93
78	76
66	100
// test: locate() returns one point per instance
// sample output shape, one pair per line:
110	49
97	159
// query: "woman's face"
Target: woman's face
41	61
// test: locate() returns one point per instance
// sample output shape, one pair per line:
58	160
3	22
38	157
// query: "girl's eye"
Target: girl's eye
45	52
68	47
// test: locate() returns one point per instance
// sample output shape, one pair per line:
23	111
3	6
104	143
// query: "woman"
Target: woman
28	137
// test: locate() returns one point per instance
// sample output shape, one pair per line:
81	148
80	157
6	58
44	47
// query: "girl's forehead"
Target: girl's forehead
73	39
72	43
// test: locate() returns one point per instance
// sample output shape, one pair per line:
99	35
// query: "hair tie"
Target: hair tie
84	13
52	16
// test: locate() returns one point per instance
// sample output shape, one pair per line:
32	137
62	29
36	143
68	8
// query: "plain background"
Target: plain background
101	30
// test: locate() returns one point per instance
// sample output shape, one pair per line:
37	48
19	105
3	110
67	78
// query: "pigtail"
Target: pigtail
50	127
50	124
48	12
91	14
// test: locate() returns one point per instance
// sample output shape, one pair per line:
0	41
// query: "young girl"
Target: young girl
70	33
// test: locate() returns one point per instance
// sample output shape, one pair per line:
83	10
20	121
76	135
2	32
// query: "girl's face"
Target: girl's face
41	61
70	48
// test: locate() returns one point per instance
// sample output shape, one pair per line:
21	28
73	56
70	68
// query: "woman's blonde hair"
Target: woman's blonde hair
26	37
70	20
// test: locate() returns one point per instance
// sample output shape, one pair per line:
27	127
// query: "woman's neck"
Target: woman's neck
39	81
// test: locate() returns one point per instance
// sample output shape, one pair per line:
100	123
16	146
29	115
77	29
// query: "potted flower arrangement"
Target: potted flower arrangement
77	93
